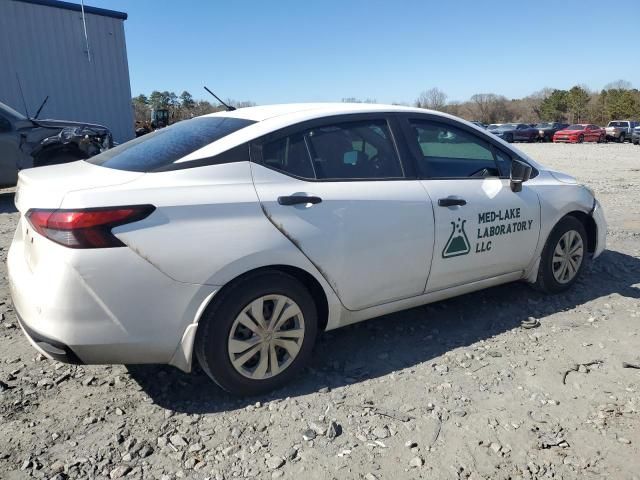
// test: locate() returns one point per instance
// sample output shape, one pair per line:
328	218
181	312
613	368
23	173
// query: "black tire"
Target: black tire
621	139
509	138
581	139
601	139
211	346
546	281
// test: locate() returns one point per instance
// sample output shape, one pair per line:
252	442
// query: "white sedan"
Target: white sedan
237	237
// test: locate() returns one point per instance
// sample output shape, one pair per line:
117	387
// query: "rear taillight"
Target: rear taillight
85	228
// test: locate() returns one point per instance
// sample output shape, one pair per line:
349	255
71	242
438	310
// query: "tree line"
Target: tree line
617	100
180	107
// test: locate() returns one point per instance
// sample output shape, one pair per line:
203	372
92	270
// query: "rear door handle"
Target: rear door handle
298	199
451	202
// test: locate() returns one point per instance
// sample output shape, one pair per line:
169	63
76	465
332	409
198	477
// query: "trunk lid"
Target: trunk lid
46	187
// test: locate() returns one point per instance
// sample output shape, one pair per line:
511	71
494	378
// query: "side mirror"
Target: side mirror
520	173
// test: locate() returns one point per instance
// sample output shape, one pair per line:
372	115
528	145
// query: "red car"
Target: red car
580	132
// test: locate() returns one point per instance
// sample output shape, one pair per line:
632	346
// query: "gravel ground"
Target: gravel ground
457	389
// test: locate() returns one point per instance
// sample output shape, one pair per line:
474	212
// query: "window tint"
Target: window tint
289	155
448	152
504	163
350	150
353	150
157	150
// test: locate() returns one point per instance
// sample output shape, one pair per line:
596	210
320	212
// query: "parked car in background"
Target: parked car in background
27	142
493	126
635	136
546	130
516	132
620	130
580	132
235	238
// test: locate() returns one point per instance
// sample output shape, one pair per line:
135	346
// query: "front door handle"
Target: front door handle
298	199
451	202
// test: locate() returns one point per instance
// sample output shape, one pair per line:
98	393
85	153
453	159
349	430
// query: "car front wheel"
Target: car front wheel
563	257
258	333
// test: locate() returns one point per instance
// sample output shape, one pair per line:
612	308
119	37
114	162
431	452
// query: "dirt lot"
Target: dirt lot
457	389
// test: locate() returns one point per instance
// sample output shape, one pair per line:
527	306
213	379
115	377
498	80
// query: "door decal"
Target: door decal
458	243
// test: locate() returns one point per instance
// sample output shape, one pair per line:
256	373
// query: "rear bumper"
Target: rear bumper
48	347
99	306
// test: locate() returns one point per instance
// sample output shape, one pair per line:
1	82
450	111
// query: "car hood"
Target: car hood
563	177
49	123
502	130
569	132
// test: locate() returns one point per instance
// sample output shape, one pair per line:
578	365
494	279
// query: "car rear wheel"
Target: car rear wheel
258	333
621	139
563	257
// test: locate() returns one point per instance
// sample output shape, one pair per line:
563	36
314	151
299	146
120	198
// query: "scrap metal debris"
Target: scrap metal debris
530	323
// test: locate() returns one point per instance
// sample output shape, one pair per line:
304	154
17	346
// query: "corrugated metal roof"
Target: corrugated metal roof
77	8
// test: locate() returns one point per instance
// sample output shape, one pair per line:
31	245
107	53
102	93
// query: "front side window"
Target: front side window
449	152
342	151
163	147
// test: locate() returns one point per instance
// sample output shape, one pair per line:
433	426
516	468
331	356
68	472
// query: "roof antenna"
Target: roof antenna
84	25
228	107
22	95
41	107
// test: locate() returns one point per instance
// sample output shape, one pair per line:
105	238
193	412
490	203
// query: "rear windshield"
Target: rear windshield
618	124
163	147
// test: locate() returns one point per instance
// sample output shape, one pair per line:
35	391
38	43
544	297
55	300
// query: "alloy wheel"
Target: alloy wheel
266	337
567	257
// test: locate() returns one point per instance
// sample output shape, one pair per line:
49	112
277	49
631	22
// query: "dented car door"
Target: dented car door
338	191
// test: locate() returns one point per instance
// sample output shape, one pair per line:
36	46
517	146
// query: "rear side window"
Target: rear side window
449	152
290	155
360	150
157	150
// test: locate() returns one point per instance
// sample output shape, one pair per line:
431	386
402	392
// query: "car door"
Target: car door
338	190
9	153
482	228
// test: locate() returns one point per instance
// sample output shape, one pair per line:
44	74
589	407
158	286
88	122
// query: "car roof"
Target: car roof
270	118
265	112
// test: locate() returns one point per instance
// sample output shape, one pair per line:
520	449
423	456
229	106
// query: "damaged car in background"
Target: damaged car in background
29	142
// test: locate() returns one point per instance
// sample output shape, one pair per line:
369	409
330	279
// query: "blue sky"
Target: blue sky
288	51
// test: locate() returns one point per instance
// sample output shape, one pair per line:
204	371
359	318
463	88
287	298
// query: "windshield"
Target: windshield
163	147
575	126
11	113
618	124
508	126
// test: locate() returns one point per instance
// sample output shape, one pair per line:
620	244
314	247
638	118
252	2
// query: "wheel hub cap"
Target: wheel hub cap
567	257
266	337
